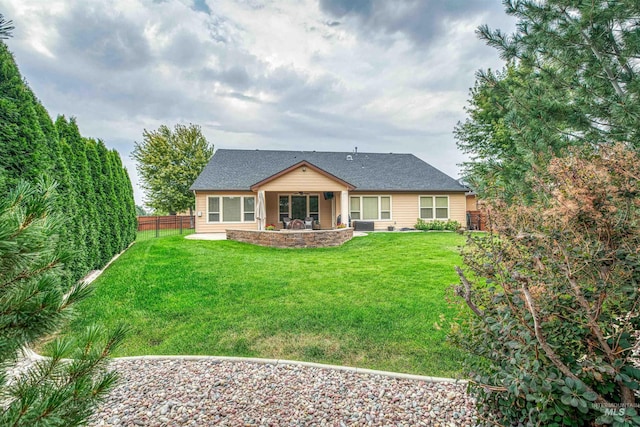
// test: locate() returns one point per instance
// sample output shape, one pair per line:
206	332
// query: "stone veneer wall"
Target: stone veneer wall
292	238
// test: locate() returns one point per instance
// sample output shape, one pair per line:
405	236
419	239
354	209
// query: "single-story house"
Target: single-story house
250	189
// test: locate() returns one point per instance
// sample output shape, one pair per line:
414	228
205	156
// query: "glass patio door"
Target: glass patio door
298	207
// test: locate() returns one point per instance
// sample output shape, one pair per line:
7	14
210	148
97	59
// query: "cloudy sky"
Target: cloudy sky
382	75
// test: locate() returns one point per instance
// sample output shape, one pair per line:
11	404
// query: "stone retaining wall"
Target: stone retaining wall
292	238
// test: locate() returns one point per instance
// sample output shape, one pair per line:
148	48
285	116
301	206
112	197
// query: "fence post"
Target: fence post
157	226
180	225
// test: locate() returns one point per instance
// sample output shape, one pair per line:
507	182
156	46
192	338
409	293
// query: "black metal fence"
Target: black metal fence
161	226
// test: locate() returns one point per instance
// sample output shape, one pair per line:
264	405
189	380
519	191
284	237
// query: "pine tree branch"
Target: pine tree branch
600	58
27	274
6	27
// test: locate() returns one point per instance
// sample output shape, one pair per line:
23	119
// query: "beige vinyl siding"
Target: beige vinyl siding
472	202
271	203
202	226
405	208
326	214
298	180
458	208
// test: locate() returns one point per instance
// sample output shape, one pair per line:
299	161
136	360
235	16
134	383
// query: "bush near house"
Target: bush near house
449	225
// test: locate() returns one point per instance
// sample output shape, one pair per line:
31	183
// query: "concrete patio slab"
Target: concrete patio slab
207	236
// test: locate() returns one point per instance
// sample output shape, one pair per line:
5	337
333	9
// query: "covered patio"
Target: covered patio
302	197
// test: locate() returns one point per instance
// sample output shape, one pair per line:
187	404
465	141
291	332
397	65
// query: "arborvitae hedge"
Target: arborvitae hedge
23	148
94	190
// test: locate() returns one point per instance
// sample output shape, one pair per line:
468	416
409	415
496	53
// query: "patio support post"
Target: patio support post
344	207
261	210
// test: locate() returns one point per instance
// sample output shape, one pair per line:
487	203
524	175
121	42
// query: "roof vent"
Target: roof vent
349	157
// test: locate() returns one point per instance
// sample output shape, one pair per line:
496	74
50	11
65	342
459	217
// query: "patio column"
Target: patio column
344	207
261	211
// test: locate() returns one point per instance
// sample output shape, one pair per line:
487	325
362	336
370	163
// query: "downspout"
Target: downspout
191	217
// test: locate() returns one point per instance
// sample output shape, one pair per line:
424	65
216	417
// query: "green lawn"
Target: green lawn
376	302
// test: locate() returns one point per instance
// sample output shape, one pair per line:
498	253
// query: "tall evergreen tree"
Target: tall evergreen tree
23	152
588	48
71	206
100	203
517	121
126	204
31	145
572	81
84	189
112	214
130	206
66	200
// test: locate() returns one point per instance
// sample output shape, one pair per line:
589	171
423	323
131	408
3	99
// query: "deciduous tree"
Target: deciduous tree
169	161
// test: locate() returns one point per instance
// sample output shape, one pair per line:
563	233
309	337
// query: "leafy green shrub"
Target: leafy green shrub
554	289
449	225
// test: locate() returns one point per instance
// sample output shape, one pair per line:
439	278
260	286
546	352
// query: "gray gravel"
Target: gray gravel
232	393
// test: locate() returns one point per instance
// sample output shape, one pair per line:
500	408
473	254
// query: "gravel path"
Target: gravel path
231	393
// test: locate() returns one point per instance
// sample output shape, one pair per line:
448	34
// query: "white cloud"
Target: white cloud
296	74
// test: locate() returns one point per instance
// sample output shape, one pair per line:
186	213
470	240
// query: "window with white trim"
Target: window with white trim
296	206
370	208
434	207
355	208
314	207
213	209
231	209
284	207
249	209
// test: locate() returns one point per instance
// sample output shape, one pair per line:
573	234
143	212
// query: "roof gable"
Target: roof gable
304	165
243	169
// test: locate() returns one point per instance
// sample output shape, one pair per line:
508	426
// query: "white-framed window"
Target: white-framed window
370	208
355	208
299	206
231	209
249	209
434	207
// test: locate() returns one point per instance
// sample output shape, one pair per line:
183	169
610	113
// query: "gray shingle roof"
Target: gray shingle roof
240	169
